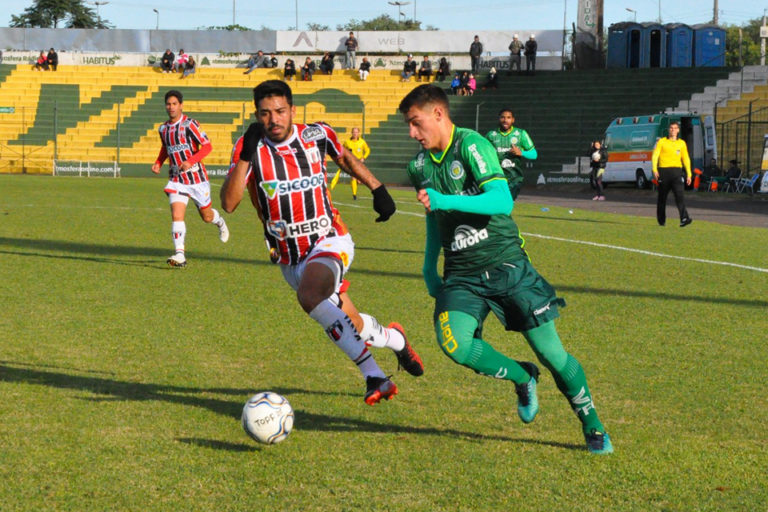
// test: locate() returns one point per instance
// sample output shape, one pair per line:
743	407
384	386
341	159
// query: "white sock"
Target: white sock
376	335
342	332
217	219
179	232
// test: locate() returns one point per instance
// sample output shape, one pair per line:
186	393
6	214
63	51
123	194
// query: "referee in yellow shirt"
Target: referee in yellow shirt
358	147
670	158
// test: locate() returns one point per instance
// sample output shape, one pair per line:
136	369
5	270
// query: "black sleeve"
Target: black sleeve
251	141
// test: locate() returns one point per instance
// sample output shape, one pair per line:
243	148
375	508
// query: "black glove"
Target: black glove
383	203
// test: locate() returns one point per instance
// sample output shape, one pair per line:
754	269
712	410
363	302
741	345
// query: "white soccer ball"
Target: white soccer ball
267	417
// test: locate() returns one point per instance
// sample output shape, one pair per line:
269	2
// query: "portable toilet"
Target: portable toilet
679	45
708	46
618	44
634	45
654	46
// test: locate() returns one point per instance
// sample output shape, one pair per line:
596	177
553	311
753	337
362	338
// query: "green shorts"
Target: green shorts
519	297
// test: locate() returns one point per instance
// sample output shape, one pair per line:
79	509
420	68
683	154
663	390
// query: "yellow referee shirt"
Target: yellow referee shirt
671	153
358	147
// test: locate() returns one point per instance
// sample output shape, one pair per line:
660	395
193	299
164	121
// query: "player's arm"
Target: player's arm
528	148
431	255
234	184
382	201
203	144
686	162
655	158
366	150
160	159
494	199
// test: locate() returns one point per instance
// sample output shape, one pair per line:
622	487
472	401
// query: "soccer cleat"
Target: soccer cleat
407	357
223	231
527	401
598	442
685	222
177	260
378	388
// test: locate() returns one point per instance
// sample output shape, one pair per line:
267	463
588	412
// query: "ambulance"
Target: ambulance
630	142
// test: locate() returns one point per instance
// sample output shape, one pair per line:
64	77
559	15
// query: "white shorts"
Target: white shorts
336	252
200	193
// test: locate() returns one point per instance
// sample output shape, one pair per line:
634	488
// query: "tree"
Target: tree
49	13
383	22
750	44
317	27
230	28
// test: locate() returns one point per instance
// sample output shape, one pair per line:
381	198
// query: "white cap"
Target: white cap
515	36
533	36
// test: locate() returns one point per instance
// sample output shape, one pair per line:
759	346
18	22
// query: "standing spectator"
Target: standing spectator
185	145
409	68
52	59
670	157
166	61
272	60
443	69
456	85
289	70
512	145
351	45
531	46
181	61
515	48
326	63
598	157
365	69
307	70
358	147
190	67
425	70
475	51
42	62
493	80
257	61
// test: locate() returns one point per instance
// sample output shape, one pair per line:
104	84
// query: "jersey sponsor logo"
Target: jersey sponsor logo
457	170
541	310
274	187
311	133
582	403
449	343
466	236
282	230
175	148
479	159
507	163
419	163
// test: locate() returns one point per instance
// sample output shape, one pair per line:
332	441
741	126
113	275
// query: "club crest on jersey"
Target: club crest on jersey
270	188
311	133
313	154
466	236
419	163
457	170
335	331
514	140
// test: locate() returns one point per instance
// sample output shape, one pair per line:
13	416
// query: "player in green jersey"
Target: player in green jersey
512	145
463	188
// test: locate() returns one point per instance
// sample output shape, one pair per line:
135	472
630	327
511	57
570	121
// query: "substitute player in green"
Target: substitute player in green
461	184
512	145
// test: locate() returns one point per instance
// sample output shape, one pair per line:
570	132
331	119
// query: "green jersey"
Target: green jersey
470	242
503	142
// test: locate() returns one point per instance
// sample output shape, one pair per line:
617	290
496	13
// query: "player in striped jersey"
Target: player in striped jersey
282	165
185	145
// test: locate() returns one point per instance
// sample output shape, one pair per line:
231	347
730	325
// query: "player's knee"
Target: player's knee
454	341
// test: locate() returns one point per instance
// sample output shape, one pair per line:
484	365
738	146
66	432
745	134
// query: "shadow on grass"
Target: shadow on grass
663	296
116	390
568	219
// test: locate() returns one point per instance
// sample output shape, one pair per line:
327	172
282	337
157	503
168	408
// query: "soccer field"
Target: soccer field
123	380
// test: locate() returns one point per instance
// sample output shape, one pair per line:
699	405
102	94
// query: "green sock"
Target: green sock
568	374
455	334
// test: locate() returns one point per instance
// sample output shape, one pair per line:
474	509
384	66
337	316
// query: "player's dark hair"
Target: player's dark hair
272	88
675	122
506	109
177	94
423	95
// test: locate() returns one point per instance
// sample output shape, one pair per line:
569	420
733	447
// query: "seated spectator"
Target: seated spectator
307	70
326	63
443	70
181	61
464	84
257	61
272	60
166	61
425	70
492	81
365	69
53	59
471	85
456	84
289	70
190	67
409	68
733	173
42	62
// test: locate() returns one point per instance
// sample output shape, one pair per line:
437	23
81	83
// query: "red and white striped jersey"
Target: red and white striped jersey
289	180
182	141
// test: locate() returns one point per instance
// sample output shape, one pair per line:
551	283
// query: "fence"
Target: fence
741	138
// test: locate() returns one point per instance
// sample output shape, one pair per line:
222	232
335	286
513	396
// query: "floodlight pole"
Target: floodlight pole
157	19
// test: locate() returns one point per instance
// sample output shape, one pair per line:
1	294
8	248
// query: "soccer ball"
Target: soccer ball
267	417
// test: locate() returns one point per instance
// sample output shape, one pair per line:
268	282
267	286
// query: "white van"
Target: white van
630	142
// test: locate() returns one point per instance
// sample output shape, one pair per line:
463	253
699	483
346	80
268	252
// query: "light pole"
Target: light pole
157	19
399	4
98	15
634	13
233	12
297	15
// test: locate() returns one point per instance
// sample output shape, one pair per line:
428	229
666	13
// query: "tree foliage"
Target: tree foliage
383	22
750	43
49	13
231	28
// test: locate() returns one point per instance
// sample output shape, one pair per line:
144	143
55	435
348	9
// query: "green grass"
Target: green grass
123	380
